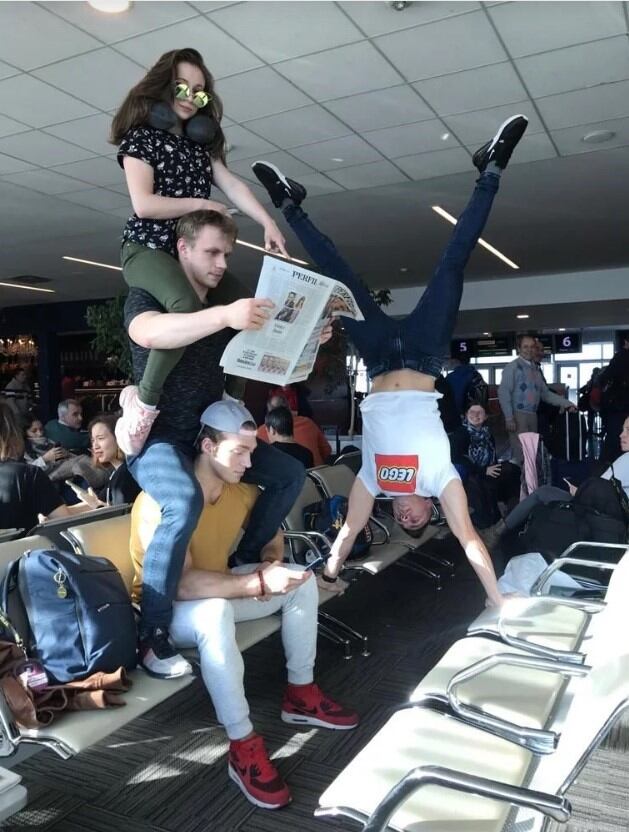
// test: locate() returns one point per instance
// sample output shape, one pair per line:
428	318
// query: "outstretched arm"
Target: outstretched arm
454	503
242	196
358	514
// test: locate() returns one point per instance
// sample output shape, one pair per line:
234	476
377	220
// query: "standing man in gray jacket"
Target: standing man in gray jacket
521	389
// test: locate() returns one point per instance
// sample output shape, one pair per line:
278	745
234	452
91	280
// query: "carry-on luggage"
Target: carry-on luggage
568	437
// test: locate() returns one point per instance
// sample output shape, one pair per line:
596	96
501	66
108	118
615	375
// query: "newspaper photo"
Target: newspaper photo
286	347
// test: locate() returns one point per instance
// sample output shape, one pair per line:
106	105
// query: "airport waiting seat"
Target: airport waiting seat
437	768
397	547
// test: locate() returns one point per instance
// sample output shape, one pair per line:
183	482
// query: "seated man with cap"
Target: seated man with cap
211	598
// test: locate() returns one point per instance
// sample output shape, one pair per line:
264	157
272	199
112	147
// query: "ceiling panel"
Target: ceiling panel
243	143
295	127
8	164
481	125
527	28
8	126
18	24
441	163
381	108
101	78
588	65
412	138
292	166
608	101
37	104
420	53
98	171
278	31
319	185
100	199
337	153
45	182
6	71
380	18
570	140
474	89
373	175
90	132
41	149
112	27
224	55
340	72
259	93
533	148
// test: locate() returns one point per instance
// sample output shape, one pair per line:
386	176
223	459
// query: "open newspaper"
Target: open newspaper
286	347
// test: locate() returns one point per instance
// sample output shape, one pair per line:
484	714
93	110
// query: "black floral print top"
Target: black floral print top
181	168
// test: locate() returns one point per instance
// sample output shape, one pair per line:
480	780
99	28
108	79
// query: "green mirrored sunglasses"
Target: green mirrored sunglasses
200	98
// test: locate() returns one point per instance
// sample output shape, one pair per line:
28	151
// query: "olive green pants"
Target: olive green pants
161	275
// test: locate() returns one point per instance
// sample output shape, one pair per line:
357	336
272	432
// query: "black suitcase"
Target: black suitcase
568	439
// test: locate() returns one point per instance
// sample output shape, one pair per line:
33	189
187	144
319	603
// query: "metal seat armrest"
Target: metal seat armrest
537	740
380	525
310	538
558	565
550	805
572	656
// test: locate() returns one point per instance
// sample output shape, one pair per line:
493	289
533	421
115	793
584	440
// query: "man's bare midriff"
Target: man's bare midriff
398	380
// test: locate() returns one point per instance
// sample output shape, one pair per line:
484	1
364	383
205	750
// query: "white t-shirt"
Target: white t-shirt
405	448
621	471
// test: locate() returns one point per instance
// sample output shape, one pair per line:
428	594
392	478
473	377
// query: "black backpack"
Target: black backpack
328	516
596	513
78	610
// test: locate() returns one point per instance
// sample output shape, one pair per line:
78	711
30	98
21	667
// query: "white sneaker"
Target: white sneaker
133	427
160	659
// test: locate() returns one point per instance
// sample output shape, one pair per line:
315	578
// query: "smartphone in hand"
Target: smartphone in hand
81	493
314	563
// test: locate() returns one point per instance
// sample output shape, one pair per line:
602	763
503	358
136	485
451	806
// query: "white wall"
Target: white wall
571	287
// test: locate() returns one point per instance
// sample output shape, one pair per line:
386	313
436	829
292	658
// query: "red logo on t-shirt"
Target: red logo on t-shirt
397	472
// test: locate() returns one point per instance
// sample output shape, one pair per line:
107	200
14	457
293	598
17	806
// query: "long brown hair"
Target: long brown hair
11	439
157	86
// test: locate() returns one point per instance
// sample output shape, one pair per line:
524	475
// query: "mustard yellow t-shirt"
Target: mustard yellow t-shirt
212	541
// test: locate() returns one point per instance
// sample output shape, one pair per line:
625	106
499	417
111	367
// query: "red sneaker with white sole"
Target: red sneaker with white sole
256	776
308	705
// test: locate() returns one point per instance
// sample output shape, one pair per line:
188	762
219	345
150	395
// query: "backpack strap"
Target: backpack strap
9	584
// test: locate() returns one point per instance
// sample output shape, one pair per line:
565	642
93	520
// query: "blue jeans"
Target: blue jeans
421	340
165	470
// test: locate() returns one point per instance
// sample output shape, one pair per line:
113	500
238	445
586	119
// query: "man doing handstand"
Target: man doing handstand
406	454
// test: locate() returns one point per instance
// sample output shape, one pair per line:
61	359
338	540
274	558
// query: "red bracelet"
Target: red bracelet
262	586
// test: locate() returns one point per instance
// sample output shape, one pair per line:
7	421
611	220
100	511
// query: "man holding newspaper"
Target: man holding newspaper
406	452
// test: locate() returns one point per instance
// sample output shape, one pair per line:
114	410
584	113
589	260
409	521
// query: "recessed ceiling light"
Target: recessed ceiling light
598	136
522	317
445	137
110	6
30	288
403	269
487	333
239	242
562	329
336	159
439	210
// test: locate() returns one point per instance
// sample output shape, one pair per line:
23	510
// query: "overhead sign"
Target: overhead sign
567	342
547	343
490	346
465	347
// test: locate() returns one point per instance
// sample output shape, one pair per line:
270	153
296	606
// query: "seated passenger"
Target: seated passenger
65	430
211	598
26	493
120	487
487	481
279	425
550	494
307	432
